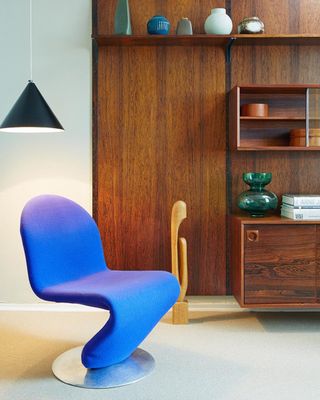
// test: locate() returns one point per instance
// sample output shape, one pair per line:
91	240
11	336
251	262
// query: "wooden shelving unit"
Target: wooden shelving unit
287	110
159	121
207	40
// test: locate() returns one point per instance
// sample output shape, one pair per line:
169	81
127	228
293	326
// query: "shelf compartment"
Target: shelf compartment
288	105
287	111
267	132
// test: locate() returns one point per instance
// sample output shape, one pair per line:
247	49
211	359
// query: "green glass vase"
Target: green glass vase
257	201
122	21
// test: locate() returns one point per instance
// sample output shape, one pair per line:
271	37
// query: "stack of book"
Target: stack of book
301	206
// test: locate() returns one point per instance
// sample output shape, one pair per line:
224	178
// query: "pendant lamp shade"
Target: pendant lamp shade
31	113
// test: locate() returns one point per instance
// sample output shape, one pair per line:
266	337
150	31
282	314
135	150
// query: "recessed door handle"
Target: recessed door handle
253	236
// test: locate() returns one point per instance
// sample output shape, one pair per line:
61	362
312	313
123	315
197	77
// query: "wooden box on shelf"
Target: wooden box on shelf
288	110
275	262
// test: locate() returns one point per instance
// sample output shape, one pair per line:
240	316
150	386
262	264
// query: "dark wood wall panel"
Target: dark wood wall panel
161	137
292	172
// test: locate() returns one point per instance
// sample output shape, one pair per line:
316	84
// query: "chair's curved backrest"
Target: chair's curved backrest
61	242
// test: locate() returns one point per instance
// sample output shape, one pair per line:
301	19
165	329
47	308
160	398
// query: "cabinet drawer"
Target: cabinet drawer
279	264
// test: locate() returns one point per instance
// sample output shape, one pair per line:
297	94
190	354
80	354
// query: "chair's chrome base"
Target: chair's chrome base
69	369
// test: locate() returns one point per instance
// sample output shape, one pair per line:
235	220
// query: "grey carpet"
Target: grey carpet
225	355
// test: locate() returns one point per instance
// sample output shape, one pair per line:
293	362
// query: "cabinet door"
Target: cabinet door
279	264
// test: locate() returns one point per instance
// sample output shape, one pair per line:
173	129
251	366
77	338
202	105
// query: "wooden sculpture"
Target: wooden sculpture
179	262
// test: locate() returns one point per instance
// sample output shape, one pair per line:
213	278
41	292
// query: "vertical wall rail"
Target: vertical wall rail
307	116
228	156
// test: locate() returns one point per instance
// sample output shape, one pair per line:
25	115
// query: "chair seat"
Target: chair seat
105	288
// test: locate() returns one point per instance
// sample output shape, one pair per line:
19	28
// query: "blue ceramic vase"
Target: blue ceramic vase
158	25
122	21
257	201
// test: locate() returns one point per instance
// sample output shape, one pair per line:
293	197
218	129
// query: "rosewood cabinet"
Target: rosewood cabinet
275	262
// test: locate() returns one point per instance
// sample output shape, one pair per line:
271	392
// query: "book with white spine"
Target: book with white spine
300	200
301	214
290	207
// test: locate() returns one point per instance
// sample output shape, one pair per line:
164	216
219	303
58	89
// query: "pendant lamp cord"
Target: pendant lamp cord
30	38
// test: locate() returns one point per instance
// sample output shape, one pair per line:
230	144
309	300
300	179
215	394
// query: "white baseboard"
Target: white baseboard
54	307
196	303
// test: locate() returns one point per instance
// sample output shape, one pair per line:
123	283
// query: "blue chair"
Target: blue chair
66	264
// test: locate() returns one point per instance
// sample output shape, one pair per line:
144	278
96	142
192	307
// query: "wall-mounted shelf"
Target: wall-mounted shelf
207	40
226	41
271	118
163	40
277	148
291	108
277	40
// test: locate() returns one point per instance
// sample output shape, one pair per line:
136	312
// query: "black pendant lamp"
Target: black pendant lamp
31	113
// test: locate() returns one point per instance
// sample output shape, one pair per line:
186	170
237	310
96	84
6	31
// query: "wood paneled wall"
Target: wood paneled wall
160	133
161	137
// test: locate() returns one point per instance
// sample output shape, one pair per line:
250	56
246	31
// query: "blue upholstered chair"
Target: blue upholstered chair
66	264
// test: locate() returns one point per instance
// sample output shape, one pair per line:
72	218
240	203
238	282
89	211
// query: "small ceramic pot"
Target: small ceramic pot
251	25
184	27
254	110
218	22
158	25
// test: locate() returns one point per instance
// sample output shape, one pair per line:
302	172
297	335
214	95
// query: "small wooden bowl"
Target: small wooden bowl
298	137
254	110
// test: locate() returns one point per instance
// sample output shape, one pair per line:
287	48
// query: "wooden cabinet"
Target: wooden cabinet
291	107
275	262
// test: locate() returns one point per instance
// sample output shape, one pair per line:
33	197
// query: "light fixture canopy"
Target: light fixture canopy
31	113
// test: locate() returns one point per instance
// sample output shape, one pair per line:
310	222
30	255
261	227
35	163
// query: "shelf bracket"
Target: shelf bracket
228	49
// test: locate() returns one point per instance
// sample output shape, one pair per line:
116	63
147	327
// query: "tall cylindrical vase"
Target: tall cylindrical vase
122	22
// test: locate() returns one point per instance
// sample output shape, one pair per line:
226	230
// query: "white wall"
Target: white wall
31	164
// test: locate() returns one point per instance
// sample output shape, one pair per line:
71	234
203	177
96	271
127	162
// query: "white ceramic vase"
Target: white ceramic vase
218	22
